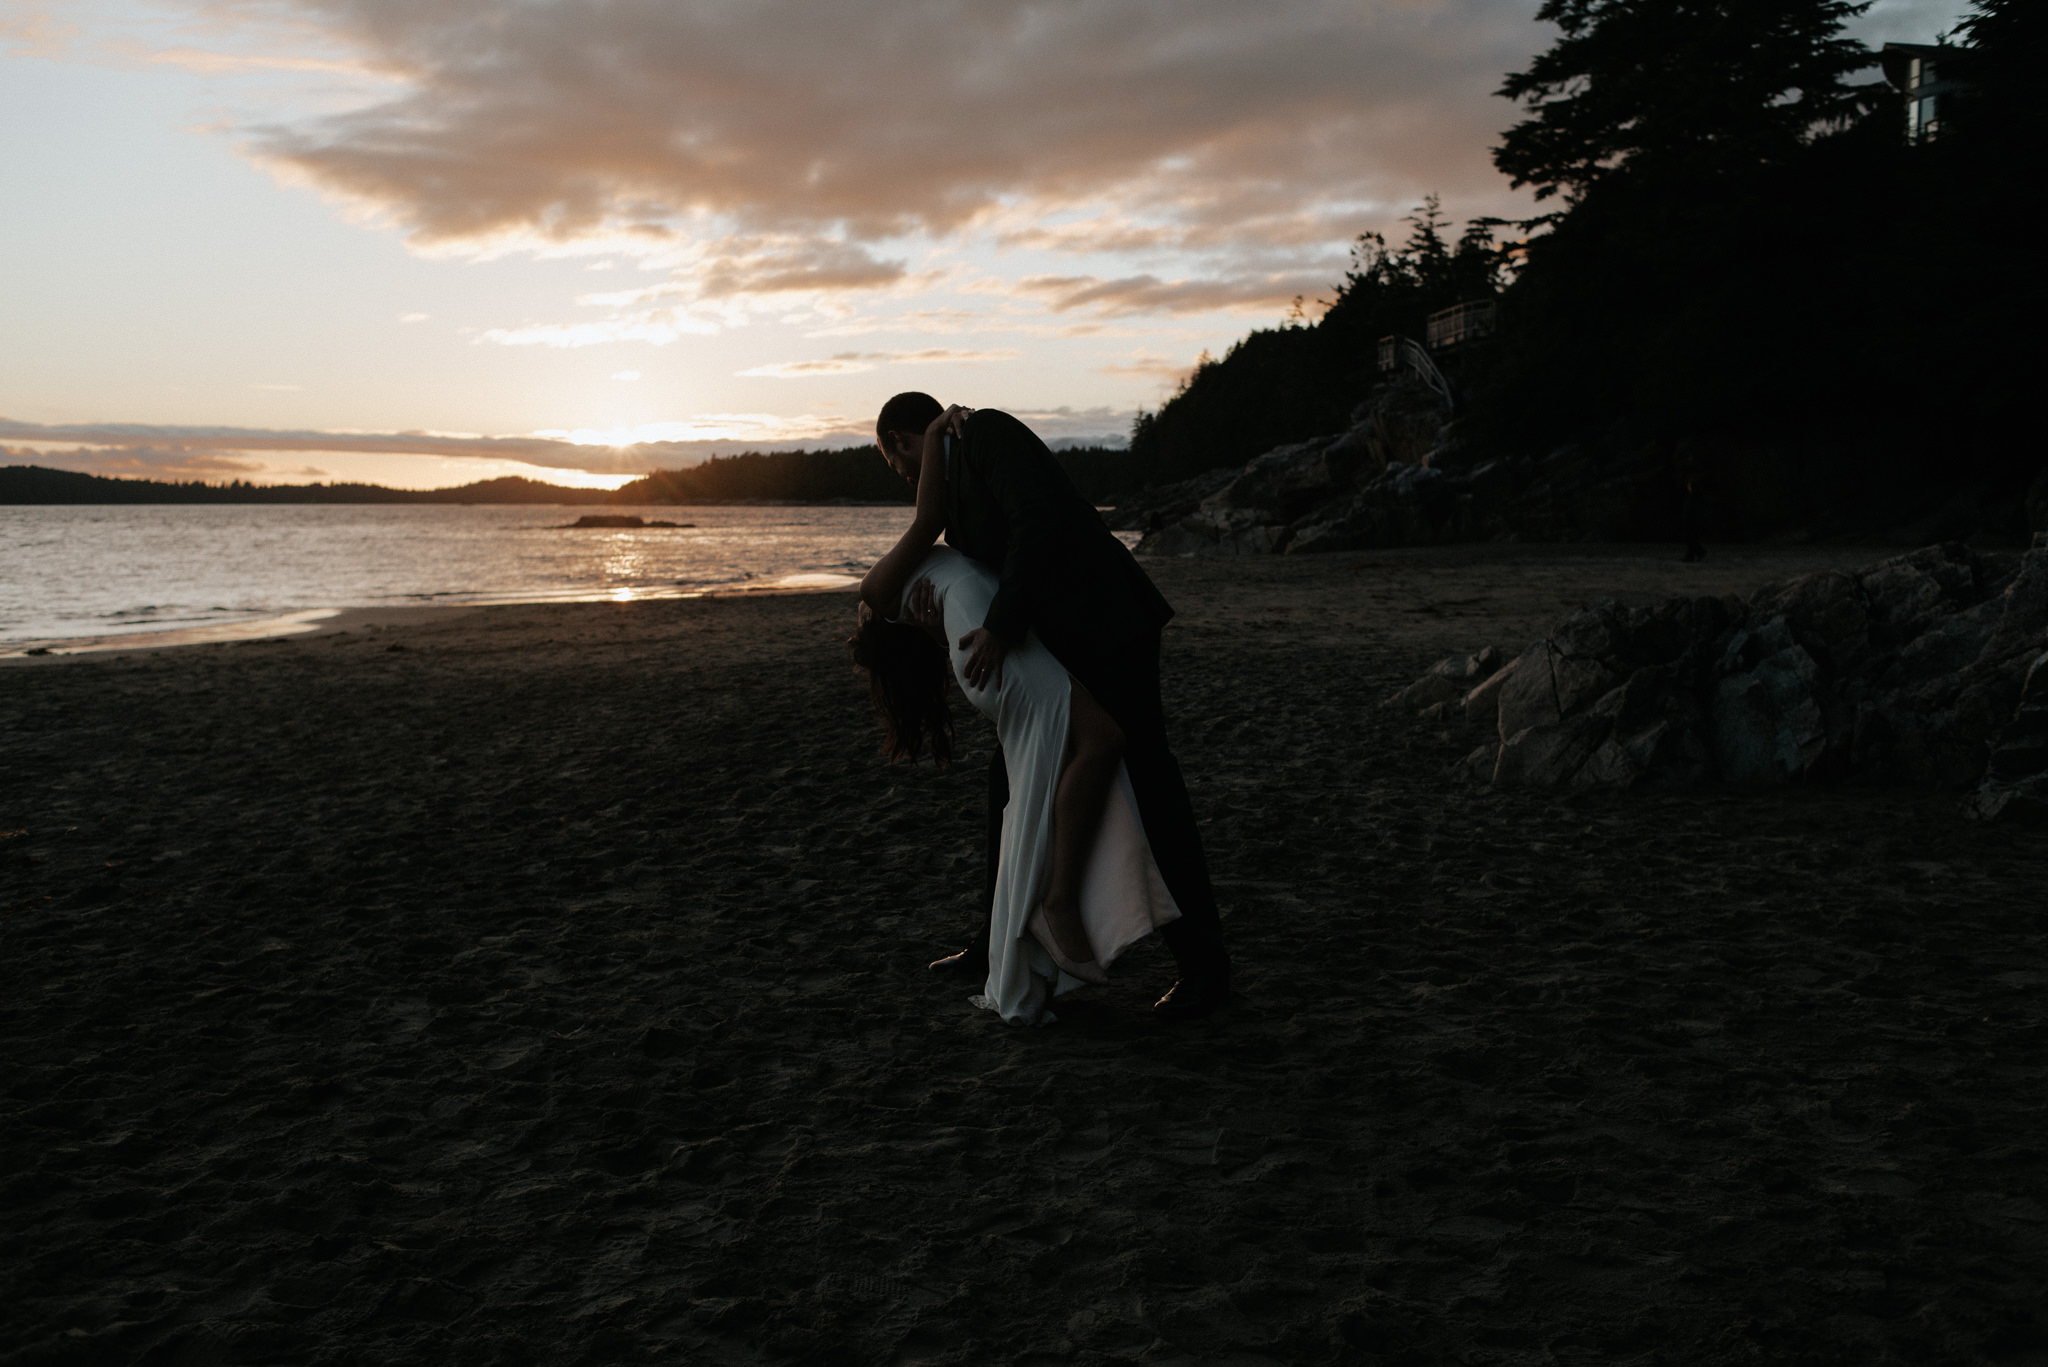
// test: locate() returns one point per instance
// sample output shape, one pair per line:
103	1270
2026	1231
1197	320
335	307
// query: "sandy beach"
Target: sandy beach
546	985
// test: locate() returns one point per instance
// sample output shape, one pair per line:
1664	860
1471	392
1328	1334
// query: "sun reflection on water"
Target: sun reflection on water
91	571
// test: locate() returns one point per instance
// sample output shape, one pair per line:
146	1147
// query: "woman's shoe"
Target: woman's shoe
1088	971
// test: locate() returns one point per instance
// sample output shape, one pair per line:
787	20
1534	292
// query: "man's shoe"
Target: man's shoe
967	963
1192	998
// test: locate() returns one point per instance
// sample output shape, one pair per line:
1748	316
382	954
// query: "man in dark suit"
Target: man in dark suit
1064	575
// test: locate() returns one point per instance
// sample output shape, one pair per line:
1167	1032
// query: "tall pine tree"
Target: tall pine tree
1679	88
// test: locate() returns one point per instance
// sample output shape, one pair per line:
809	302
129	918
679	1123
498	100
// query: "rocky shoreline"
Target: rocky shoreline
1928	668
1403	475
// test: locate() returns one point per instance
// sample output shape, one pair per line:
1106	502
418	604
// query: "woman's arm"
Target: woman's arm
883	587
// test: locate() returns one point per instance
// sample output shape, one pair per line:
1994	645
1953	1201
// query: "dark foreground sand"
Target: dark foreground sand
545	985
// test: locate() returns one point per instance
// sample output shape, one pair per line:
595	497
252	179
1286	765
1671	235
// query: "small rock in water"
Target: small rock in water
622	520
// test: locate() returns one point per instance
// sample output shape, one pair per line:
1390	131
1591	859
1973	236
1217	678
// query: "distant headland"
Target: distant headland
850	474
853	474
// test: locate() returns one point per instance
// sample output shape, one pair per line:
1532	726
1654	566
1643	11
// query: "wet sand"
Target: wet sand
544	984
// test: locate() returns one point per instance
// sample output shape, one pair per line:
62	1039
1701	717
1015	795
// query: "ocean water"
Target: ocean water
216	572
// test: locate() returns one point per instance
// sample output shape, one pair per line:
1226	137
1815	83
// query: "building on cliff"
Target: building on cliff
1921	73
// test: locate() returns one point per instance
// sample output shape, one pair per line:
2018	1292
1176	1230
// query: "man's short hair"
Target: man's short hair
907	412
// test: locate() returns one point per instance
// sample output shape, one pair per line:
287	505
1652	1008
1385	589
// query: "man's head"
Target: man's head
899	431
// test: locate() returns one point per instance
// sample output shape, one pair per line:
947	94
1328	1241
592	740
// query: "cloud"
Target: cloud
213	63
794	267
1076	426
719	431
657	327
27	29
186	442
1145	365
776	146
851	362
1149	294
721	285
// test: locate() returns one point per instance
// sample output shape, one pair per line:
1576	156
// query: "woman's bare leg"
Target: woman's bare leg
1095	745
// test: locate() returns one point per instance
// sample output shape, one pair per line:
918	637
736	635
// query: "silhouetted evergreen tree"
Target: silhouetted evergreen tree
1749	248
1712	190
2005	47
1685	89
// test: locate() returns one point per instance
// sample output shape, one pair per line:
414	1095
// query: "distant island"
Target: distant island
853	474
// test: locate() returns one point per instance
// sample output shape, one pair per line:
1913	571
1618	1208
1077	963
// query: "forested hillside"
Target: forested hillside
1744	264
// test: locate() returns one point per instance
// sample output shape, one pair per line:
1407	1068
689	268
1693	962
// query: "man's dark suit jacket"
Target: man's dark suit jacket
1063	573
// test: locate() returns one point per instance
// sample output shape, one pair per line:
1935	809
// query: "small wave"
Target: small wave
157	617
814	580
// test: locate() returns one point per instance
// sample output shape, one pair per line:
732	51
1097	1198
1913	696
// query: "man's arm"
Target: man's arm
882	588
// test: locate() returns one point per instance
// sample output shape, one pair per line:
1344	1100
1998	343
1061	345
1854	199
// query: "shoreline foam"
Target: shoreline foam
327	620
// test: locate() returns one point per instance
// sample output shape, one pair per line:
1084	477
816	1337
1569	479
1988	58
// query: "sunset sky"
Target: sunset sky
423	242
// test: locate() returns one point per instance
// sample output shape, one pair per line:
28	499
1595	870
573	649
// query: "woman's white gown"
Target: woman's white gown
1122	896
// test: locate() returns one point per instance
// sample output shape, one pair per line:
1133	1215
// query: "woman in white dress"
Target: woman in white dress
1076	884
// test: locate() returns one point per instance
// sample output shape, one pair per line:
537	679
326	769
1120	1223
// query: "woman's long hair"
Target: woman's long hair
906	672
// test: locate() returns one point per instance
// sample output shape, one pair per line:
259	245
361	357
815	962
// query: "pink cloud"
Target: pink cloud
1203	123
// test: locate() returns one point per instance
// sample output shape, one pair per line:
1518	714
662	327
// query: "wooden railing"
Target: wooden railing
1461	323
1399	351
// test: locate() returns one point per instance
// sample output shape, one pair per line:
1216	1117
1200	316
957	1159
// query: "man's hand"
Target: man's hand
953	420
985	652
924	606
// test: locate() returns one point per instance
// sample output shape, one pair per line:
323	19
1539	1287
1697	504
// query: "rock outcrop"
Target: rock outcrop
1930	668
1401	475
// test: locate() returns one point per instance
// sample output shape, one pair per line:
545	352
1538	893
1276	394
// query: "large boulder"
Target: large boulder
1448	680
1930	667
1159	508
1289	480
2022	605
1253	512
1408	505
1404	424
1767	721
1292	496
2016	774
1659	738
1211	530
1550	684
1550	756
